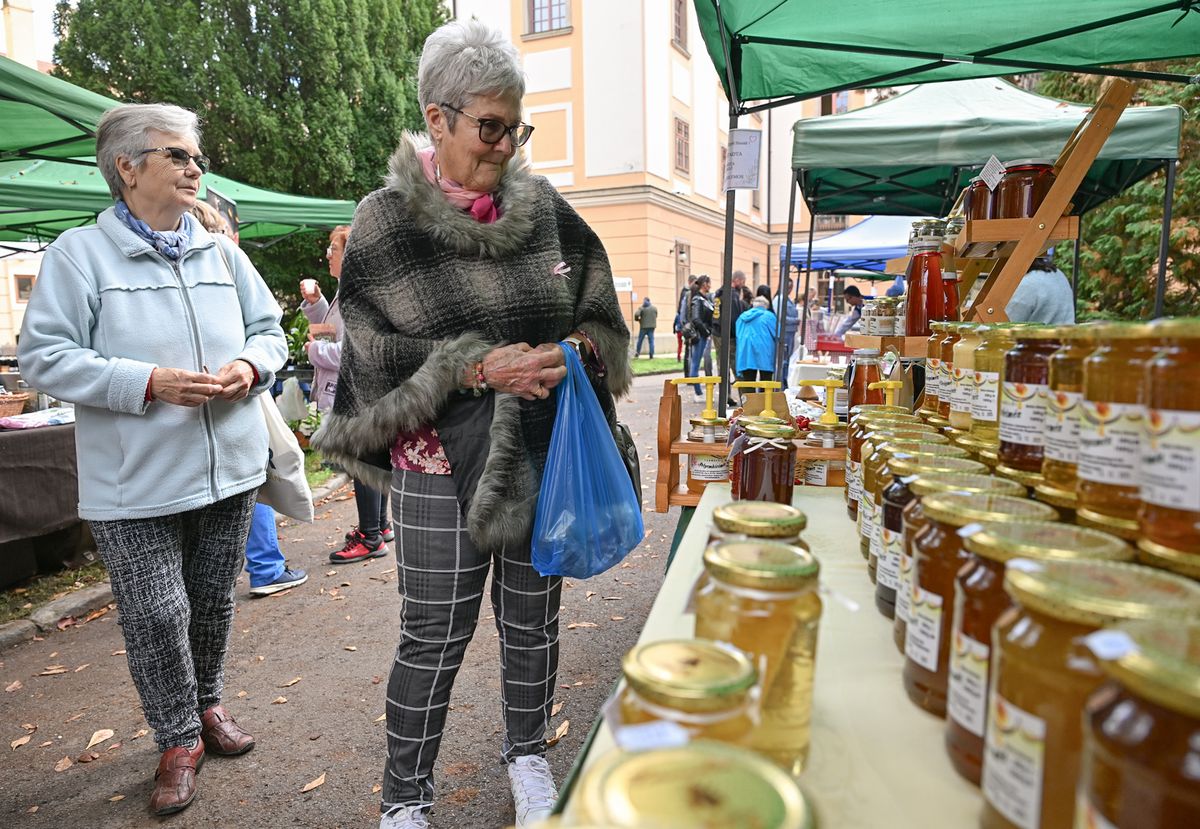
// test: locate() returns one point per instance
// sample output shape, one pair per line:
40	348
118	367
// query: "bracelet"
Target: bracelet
480	381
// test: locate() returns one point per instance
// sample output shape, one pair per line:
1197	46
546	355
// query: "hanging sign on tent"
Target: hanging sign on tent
741	160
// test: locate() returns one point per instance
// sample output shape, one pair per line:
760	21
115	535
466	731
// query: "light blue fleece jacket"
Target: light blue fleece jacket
106	310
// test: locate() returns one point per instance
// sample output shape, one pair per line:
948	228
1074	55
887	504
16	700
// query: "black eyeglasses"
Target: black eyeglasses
492	131
180	157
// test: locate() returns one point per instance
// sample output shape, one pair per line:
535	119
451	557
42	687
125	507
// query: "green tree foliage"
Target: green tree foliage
299	96
1119	262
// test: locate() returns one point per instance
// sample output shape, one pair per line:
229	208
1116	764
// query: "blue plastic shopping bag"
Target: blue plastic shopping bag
588	517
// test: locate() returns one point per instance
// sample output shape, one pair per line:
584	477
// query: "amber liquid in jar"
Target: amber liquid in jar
863	372
896	497
1061	436
946	368
933	370
1023	403
854	442
963	392
1022	190
925	293
989	379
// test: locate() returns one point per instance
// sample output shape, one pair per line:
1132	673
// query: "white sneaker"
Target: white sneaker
404	817
533	789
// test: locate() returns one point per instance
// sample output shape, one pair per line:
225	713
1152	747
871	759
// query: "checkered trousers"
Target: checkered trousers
441	580
173	577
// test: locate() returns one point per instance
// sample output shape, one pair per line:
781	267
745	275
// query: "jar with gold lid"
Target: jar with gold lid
915	521
1112	419
937	556
1170	483
933	369
824	471
854	437
1023	403
761	597
737	443
871	497
952	331
989	379
762	520
872	437
1043	674
704	783
979	599
1141	730
962	394
705	469
702	688
1060	450
896	496
768	463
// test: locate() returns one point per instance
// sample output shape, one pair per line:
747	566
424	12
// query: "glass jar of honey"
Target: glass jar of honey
864	370
1170	482
874	435
915	522
1043	673
854	440
870	499
1112	418
937	556
737	443
979	599
951	334
896	496
703	688
963	393
768	463
824	471
761	597
933	369
1023	188
762	520
704	469
1061	436
1023	400
1141	730
701	784
989	379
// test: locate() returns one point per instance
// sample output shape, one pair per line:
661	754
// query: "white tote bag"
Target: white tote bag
286	489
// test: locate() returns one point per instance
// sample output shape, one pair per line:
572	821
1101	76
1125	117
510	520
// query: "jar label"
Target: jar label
1023	413
963	391
1171	460
904	590
865	505
876	548
1061	437
854	479
933	377
985	402
816	473
966	699
887	568
1110	442
1087	816
924	634
708	468
946	381
1014	762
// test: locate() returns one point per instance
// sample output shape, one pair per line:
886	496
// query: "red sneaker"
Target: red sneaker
359	548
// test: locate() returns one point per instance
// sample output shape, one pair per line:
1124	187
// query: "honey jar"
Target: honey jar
701	784
1141	730
871	497
1060	450
963	393
854	440
978	201
705	469
933	369
737	442
822	471
1043	674
761	597
1170	481
1112	418
1023	402
768	463
864	370
703	688
915	521
946	382
875	435
989	378
937	556
979	599
762	520
1023	188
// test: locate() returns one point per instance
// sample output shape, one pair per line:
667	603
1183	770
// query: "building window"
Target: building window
683	146
755	200
827	105
548	15
679	24
23	282
756	274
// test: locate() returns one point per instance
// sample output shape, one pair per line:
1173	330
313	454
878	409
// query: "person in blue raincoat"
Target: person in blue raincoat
756	353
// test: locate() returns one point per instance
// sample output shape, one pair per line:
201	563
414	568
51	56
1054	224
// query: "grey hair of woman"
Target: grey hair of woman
124	131
465	58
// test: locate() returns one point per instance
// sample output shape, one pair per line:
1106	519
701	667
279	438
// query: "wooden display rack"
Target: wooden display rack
904	346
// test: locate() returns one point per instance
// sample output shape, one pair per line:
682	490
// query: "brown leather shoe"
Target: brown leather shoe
175	780
221	733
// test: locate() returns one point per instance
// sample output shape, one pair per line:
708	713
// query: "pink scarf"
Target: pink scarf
481	206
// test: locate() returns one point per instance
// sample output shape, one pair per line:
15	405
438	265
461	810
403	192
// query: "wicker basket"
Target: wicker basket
12	404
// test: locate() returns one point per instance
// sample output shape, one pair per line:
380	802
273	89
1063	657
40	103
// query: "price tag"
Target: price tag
992	172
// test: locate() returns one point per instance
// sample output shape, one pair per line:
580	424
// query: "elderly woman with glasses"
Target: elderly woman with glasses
161	334
460	278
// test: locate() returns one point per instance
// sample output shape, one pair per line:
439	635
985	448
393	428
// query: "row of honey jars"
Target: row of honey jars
1042	674
963	374
989	380
873	462
860	418
939	367
1023	395
1018	195
979	600
1060	437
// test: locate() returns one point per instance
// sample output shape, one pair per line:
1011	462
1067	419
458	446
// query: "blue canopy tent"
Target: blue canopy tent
867	246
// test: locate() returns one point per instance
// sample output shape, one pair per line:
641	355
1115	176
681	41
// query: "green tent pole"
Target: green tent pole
1160	290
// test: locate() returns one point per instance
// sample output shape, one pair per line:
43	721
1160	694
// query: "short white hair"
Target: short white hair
123	131
463	59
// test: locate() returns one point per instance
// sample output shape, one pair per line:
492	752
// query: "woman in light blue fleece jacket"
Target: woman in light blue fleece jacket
161	334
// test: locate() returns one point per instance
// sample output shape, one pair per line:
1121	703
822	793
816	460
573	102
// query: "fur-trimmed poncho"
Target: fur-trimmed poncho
426	291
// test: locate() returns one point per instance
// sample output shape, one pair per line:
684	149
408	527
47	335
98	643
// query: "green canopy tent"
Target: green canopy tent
42	117
780	51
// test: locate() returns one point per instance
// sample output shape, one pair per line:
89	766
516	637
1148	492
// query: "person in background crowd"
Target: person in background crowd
265	562
1043	295
791	324
898	286
374	531
700	323
854	299
756	329
681	345
460	395
727	313
647	319
127	317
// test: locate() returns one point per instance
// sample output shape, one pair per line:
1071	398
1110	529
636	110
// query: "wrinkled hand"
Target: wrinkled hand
235	378
183	388
524	371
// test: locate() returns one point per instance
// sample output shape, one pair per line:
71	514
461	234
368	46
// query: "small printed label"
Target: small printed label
887	568
904	590
1023	413
1087	816
816	473
854	479
1171	459
652	735
946	382
964	390
933	377
1014	763
708	468
864	512
876	548
966	699
924	634
992	173
1061	438
1110	442
985	404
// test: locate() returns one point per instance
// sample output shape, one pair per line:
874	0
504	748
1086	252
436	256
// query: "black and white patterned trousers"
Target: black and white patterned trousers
173	579
441	576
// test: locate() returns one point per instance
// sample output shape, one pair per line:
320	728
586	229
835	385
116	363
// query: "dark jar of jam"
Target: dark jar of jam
926	294
979	201
1023	398
768	464
1022	190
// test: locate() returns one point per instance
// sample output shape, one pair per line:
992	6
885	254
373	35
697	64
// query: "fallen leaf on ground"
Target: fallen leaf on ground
63	764
279	701
386	572
15	685
617	618
113	747
559	733
260	658
280	593
351	648
81	667
87	757
28	726
331	573
241	694
20	741
375	680
116	798
455	769
47	743
96	614
291	682
52	670
118	653
75	717
461	796
141	732
32	810
612	598
381	718
312	784
574	625
344	584
376	789
558	706
589	595
65	622
100	736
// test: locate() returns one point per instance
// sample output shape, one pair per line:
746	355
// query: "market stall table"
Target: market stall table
876	760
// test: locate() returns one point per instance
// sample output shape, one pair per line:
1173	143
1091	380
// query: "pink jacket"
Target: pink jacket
325	355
